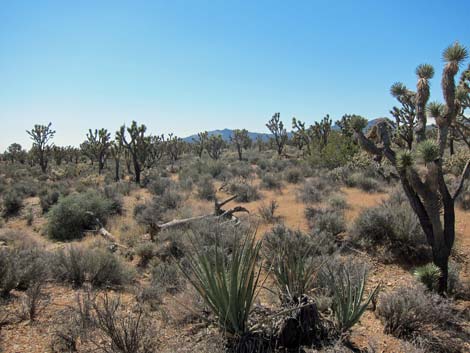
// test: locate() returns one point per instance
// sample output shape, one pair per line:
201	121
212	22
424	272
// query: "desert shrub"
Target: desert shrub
293	175
325	220
77	213
337	202
75	265
8	274
245	192
33	301
314	190
394	226
271	182
206	189
26	187
347	288
170	199
145	252
48	198
167	276
409	312
157	185
12	203
149	214
113	195
242	170
456	163
363	182
267	212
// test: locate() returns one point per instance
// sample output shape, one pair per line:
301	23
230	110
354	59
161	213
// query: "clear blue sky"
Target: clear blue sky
187	66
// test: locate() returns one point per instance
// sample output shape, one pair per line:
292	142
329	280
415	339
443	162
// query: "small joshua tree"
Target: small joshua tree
276	126
215	145
99	142
405	116
174	147
322	131
41	135
200	142
427	192
116	150
15	153
240	140
137	145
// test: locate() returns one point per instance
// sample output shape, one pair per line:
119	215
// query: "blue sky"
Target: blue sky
187	66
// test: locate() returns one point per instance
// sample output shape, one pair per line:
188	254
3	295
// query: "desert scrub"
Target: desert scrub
245	192
77	213
270	181
394	227
100	268
363	182
293	175
167	276
314	190
48	198
206	189
323	220
413	314
337	202
268	212
12	203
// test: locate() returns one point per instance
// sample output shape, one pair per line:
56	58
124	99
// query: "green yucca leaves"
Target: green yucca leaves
435	109
455	53
348	296
428	275
228	284
428	150
294	274
425	71
404	160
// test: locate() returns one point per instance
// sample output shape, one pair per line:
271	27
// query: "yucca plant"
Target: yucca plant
227	284
348	296
428	275
294	274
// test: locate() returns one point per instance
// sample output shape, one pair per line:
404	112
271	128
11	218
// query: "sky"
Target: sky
188	66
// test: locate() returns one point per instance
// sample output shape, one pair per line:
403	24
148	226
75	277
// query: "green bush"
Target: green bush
206	189
245	192
75	265
293	175
326	220
12	203
271	182
393	227
48	198
77	213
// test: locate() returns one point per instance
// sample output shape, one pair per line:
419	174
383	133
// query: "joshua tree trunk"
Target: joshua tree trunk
116	170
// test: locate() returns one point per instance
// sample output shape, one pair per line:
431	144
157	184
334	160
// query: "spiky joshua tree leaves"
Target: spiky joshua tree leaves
41	135
427	191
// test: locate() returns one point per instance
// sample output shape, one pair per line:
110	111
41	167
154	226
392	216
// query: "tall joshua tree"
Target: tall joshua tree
427	192
200	142
99	142
116	150
276	126
240	140
215	146
41	135
137	144
405	116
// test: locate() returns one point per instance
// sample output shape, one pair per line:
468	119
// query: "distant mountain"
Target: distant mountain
226	133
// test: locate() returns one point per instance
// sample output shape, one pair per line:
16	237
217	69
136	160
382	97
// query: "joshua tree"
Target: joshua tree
241	141
15	153
116	150
200	142
174	147
322	131
259	143
276	126
461	127
59	154
156	150
99	142
427	192
302	136
137	146
405	116
41	135
215	145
